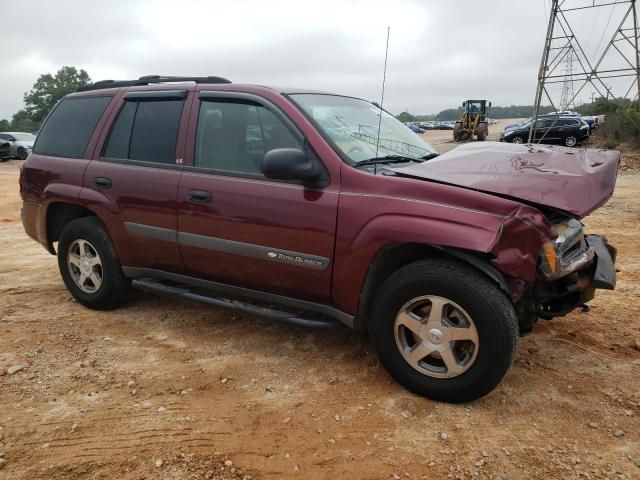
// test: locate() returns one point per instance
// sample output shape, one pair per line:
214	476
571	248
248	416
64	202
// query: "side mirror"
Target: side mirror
289	164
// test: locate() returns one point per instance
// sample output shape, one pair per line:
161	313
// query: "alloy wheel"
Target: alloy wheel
436	336
85	266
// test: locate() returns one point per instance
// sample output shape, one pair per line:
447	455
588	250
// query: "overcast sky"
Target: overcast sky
440	52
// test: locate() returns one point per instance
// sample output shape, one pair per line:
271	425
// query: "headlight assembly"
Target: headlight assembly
567	253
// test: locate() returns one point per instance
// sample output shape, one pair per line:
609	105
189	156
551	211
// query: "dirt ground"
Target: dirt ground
166	389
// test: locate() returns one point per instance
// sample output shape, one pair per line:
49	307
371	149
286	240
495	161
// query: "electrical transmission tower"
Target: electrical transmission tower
617	64
566	98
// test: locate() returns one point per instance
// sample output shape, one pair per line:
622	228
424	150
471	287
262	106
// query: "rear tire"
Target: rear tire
22	153
482	340
89	265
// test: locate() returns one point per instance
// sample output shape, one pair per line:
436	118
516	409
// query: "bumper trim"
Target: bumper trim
604	276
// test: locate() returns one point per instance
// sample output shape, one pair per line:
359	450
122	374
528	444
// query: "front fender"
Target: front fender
512	242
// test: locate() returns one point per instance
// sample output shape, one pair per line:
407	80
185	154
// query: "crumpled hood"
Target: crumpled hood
575	180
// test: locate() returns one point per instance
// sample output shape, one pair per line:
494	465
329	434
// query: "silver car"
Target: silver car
20	143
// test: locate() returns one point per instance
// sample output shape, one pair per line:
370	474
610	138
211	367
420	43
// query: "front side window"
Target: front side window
234	136
68	128
146	131
360	130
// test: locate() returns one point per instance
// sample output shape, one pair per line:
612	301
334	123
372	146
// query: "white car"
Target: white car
21	143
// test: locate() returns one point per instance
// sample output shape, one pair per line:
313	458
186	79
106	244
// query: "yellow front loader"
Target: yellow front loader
473	121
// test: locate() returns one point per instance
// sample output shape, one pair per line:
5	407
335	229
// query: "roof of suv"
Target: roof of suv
157	82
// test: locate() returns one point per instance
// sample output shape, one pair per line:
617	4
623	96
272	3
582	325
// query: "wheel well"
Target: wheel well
392	258
60	214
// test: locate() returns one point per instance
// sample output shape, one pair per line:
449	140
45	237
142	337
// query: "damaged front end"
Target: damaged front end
570	268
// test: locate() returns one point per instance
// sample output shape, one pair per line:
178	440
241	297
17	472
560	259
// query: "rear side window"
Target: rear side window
68	129
145	130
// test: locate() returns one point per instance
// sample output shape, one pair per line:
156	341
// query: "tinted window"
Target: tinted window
118	145
67	131
146	130
235	136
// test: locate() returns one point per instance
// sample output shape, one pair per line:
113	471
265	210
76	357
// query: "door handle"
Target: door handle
199	196
101	182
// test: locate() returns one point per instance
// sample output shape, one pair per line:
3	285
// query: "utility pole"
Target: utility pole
561	47
636	35
567	86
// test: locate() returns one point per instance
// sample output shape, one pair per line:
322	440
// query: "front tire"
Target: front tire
483	131
444	331
89	265
457	128
22	153
570	141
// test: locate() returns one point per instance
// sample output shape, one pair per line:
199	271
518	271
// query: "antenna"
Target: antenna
384	79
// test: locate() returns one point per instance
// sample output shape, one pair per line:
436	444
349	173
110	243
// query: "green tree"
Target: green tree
22	122
4	125
48	89
406	117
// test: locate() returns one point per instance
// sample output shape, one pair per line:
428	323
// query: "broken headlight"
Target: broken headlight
567	253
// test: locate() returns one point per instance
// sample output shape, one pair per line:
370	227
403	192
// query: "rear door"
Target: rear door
134	181
240	228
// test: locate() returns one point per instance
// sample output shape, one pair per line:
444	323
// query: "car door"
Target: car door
237	227
133	183
541	130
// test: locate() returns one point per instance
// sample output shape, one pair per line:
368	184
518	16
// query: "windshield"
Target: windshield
352	125
25	137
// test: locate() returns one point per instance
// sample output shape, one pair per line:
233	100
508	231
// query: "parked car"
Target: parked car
5	150
21	143
415	128
288	204
569	131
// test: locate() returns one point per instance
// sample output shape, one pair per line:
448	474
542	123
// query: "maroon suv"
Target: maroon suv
313	208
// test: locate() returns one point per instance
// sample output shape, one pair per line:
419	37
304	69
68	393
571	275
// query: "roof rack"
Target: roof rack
147	80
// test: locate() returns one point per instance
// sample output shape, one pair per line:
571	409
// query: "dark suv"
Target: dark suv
569	131
318	209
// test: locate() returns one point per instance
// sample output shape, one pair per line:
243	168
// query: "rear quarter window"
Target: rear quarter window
68	128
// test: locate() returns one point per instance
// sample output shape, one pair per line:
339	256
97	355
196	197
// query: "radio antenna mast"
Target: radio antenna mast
384	79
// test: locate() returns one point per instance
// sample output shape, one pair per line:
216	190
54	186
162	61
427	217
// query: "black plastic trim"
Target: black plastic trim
605	273
232	290
287	257
232	247
156	233
148	80
143	95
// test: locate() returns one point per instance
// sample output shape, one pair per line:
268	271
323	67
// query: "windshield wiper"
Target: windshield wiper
388	159
429	156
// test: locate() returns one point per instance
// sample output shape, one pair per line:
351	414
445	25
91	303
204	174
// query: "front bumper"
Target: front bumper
559	297
604	274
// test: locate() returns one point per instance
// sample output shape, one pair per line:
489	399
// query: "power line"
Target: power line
562	47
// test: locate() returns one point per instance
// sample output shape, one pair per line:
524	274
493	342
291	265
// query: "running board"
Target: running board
153	286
